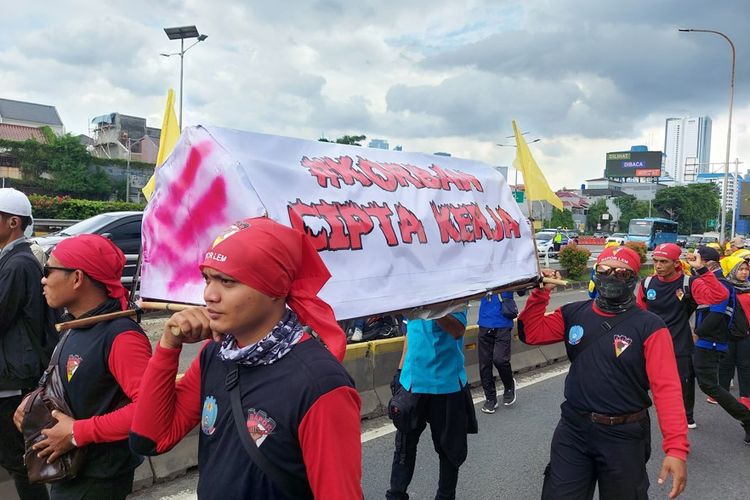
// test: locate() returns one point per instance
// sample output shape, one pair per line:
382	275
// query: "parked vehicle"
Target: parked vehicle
123	228
652	231
545	241
619	238
682	239
696	240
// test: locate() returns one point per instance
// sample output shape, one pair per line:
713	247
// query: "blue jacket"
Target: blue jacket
490	312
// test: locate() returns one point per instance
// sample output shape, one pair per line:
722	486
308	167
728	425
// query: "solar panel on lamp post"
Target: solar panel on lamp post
181	33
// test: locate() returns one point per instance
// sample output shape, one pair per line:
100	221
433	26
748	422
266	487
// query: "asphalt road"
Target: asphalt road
507	457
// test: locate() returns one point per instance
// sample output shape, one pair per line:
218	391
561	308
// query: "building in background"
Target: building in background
10	167
29	114
687	146
732	201
578	205
115	133
378	144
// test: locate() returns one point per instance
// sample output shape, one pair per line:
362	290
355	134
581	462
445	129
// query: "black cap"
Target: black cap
708	253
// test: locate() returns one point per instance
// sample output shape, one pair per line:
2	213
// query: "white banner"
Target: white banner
396	230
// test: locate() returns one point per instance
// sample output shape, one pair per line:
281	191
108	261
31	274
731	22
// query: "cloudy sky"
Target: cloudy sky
584	76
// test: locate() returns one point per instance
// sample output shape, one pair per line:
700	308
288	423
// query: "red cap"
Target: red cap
279	261
99	258
668	251
621	254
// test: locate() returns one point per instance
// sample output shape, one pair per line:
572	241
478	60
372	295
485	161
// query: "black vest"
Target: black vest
275	399
608	368
674	304
91	390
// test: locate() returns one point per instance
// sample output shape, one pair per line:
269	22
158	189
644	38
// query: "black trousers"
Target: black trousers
584	453
687	380
85	488
706	363
449	423
494	349
11	452
738	357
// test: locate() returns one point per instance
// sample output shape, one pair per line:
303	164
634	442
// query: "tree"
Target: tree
351	140
562	219
691	206
594	214
69	165
630	208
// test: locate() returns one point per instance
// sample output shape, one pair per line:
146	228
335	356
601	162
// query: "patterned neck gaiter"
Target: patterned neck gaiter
271	348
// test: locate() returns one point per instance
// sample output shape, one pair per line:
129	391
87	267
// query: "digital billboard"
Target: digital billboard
633	164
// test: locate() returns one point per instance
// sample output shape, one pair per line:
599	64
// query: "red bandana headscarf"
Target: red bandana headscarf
621	254
99	258
279	261
668	251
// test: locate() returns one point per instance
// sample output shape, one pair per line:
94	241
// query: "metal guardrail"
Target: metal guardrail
46	226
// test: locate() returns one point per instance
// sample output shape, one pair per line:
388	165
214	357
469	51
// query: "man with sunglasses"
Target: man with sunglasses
618	352
27	336
100	367
673	296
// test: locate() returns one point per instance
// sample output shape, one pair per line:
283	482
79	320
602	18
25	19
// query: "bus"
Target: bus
652	231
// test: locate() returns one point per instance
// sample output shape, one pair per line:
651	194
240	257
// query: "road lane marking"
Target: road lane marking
388	428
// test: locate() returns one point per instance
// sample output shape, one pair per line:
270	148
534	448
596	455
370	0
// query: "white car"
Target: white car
619	238
545	243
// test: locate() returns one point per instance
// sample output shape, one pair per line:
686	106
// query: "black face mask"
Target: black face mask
614	295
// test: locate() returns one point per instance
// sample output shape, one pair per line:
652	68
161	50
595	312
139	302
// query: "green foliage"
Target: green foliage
64	207
352	140
574	259
691	205
639	247
594	214
64	159
630	208
134	165
563	219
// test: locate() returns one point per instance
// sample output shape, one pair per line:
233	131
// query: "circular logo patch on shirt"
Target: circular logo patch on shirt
651	294
575	334
208	416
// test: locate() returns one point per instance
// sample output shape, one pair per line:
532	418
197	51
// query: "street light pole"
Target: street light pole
722	230
182	76
182	33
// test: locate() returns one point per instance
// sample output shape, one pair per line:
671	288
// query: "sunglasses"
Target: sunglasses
46	270
618	272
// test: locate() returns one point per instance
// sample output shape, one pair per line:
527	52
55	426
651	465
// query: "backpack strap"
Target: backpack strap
291	485
647	282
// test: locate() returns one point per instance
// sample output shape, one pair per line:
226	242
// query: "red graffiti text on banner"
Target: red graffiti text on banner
333	173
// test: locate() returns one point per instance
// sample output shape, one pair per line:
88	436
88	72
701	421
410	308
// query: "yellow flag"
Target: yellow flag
170	133
533	179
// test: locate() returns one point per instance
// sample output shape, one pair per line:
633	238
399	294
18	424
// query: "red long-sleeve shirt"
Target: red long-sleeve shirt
127	362
329	433
661	369
706	289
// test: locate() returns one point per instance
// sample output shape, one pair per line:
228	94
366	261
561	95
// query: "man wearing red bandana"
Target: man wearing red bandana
100	367
279	415
673	296
618	353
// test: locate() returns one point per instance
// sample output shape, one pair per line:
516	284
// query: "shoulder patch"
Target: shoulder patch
575	334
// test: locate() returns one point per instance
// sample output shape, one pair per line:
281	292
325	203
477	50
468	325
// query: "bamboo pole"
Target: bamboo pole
92	320
165	306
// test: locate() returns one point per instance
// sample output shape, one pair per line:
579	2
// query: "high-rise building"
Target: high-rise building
378	144
733	200
687	146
